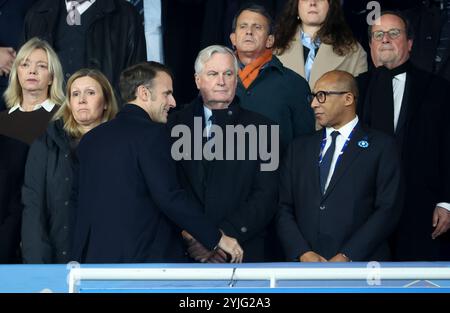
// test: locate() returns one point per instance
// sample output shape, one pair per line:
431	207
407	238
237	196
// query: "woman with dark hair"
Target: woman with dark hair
312	38
48	179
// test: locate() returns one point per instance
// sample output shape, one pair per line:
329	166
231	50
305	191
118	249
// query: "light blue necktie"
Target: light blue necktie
312	46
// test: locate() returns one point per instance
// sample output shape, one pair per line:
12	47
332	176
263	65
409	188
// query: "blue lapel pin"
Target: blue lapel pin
363	144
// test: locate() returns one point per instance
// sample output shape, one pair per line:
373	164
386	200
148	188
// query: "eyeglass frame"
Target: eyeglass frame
387	32
313	95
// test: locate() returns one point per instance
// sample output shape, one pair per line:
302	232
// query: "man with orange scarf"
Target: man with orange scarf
265	85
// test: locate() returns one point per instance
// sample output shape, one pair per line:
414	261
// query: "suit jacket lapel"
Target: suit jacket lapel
347	158
315	162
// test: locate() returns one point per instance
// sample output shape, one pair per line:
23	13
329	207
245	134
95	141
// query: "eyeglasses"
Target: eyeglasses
392	33
321	95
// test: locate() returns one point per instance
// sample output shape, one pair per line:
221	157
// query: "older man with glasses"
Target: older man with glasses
411	105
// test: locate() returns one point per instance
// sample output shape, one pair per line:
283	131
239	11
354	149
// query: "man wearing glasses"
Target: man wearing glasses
411	105
340	188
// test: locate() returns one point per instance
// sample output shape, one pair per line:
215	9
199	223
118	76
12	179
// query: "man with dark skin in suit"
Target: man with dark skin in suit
340	188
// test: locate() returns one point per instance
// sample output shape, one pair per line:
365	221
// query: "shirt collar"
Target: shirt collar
80	8
207	113
48	106
401	77
344	130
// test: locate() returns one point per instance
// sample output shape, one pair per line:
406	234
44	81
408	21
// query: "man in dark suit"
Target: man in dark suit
340	190
130	207
411	105
238	194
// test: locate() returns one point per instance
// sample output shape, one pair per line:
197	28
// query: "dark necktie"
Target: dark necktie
325	165
212	120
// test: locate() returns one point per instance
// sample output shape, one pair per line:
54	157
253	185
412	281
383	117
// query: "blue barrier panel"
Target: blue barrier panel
54	278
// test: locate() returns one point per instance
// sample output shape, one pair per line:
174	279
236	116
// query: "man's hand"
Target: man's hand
311	256
339	258
195	249
441	220
218	256
199	253
232	247
7	56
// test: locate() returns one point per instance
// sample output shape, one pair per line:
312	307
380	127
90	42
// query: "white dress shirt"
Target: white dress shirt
398	86
47	105
344	133
153	30
81	8
208	123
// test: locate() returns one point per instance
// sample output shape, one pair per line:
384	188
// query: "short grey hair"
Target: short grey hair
208	52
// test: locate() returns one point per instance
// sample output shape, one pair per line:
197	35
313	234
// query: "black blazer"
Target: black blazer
130	207
358	211
423	137
239	197
13	155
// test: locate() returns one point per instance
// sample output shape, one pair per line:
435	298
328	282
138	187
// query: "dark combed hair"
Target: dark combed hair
256	8
139	74
400	15
334	31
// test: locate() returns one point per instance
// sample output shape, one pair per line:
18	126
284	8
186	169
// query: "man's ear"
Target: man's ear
270	41
143	93
197	78
349	99
410	44
233	39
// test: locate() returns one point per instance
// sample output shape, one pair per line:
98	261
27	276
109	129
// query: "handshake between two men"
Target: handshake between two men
226	248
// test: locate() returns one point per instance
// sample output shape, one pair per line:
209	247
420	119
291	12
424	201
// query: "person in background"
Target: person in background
312	38
34	92
104	34
12	15
265	86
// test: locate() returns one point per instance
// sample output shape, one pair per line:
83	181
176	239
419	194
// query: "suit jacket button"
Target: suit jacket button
322	207
244	229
